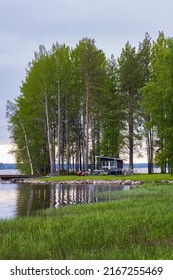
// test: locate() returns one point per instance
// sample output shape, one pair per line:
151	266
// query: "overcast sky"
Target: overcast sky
25	24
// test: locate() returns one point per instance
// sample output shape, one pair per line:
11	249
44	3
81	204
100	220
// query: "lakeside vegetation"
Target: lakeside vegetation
138	225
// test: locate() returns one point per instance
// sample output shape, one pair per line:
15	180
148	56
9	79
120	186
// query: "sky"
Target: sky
26	24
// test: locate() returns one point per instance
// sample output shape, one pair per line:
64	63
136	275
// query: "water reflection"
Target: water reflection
21	200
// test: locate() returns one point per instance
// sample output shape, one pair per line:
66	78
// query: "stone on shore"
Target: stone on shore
81	182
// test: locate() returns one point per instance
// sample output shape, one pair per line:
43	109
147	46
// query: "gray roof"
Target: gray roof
109	158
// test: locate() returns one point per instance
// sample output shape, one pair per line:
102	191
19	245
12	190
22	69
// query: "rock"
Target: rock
118	182
82	182
136	183
127	182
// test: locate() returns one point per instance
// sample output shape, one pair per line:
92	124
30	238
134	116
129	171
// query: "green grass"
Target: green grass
143	177
139	226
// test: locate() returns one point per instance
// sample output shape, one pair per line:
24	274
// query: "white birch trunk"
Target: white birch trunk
27	148
49	137
58	129
87	127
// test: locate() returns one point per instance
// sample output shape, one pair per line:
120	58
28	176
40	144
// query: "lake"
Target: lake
17	200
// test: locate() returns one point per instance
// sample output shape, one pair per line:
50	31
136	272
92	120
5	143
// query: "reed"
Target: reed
137	226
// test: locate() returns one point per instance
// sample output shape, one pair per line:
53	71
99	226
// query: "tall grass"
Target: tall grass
139	226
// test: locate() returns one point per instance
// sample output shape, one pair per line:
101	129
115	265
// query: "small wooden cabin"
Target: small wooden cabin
109	165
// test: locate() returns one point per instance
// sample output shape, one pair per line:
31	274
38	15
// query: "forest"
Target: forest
75	104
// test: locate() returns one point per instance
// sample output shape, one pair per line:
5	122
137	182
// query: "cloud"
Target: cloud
5	156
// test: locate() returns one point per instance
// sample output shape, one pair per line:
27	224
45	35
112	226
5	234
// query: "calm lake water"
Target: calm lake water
21	200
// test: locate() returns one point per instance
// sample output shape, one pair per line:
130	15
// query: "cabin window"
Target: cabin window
104	163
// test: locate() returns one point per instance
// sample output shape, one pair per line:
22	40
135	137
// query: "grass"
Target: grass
139	226
143	177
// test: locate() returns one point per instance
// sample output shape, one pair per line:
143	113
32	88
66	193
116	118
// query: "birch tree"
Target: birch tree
13	116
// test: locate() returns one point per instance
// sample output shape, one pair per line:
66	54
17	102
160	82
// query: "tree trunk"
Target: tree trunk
131	128
150	151
77	146
83	142
59	124
27	147
67	139
52	165
87	127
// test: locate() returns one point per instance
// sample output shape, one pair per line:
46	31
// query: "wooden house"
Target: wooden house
109	165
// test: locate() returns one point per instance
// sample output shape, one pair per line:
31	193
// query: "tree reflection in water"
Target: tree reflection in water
23	200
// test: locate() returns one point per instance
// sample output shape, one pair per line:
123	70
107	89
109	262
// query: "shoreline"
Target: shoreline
131	183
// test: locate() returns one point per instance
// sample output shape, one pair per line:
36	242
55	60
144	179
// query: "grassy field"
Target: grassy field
139	225
143	177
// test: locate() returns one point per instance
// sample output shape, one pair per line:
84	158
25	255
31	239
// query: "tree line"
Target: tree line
75	104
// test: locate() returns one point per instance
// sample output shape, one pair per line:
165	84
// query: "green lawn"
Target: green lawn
139	225
143	177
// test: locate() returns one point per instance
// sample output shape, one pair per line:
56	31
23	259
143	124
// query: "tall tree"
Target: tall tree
91	62
62	75
40	77
112	113
158	99
129	84
144	56
15	117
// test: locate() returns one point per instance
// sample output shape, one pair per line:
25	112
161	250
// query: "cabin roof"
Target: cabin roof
108	158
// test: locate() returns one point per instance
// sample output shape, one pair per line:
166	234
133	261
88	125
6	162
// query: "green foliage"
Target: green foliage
158	99
112	113
75	104
59	109
130	77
